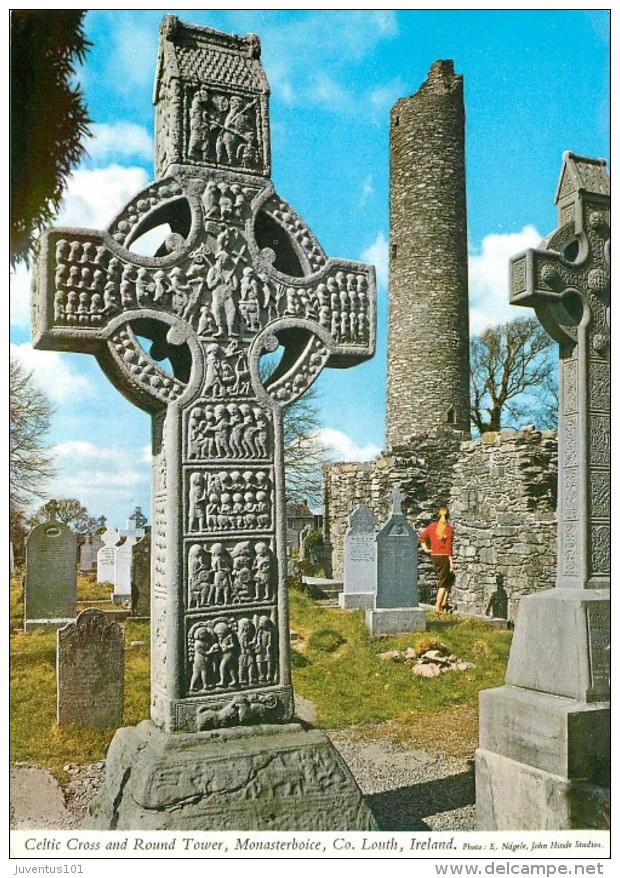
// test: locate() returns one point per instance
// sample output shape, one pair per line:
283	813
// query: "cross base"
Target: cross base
268	777
545	737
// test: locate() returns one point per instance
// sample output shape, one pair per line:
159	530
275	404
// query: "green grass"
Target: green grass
353	687
35	738
336	666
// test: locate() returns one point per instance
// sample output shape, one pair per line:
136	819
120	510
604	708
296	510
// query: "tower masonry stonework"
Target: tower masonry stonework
428	325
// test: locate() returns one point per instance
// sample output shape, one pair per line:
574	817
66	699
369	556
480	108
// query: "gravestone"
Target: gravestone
141	577
96	540
106	555
86	555
239	275
544	755
50	589
396	607
122	570
90	664
360	561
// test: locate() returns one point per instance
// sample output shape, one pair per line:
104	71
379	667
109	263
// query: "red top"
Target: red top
438	547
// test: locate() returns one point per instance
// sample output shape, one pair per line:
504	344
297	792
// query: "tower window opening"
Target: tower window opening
451	417
394	250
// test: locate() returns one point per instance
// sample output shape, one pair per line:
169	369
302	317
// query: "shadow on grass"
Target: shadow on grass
404	808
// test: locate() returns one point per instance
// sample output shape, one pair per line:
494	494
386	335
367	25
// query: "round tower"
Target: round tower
428	324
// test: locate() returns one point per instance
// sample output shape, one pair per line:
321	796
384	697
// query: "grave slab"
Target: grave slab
360	561
90	666
50	589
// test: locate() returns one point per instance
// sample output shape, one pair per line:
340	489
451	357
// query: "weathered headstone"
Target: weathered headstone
87	556
90	665
544	755
239	274
360	561
396	607
141	577
122	570
50	590
96	540
106	555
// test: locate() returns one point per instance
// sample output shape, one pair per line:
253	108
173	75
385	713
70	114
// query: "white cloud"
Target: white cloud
109	481
94	197
488	278
119	139
19	304
325	90
52	373
377	254
342	447
92	200
367	191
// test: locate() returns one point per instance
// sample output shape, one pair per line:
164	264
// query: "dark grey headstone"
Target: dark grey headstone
50	592
397	564
87	556
89	672
141	577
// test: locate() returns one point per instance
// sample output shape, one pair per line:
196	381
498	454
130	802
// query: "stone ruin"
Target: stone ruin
240	275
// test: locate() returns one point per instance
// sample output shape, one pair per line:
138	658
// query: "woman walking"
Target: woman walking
436	541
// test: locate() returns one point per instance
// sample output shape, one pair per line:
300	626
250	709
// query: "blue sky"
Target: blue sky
536	84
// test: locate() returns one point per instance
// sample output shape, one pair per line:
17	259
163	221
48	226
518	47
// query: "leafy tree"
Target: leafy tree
70	512
29	420
48	117
513	377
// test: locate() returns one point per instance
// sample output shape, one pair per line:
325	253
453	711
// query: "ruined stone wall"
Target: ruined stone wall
428	328
422	469
503	506
501	491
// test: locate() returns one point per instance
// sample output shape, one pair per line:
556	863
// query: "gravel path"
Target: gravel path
407	790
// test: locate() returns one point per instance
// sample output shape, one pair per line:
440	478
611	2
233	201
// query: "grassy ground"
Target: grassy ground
335	665
351	686
34	736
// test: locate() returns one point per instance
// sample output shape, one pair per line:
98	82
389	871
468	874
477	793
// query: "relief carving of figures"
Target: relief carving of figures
222	575
229	501
231	653
233	431
222	129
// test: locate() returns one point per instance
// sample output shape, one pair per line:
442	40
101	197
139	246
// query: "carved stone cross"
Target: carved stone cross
237	274
567	282
397	501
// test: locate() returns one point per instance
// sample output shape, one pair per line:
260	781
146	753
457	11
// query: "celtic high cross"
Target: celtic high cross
237	274
567	282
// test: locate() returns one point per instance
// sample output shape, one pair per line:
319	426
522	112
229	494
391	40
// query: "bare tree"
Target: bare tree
30	458
70	512
513	377
304	454
48	117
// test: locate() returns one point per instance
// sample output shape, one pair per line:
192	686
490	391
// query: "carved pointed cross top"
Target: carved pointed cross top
397	501
180	330
567	282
